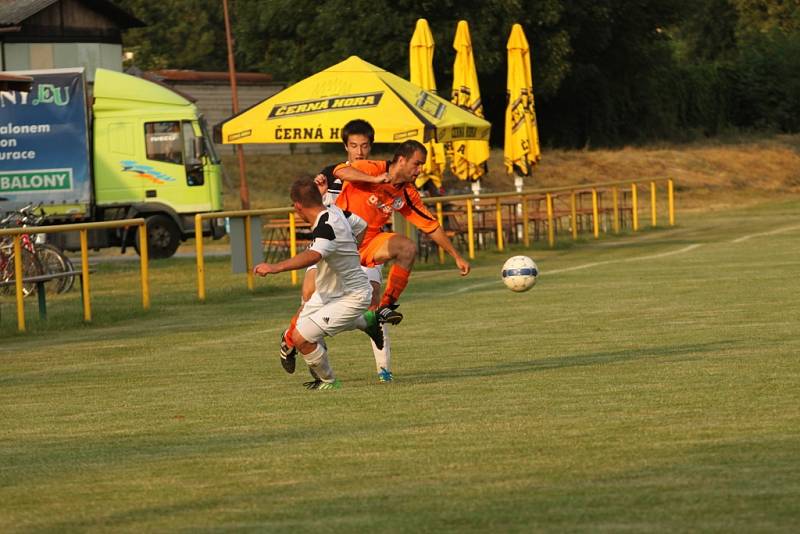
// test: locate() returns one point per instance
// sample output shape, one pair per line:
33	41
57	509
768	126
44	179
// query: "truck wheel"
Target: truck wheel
163	237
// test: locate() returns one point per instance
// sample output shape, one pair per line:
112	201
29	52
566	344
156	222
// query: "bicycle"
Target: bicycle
49	258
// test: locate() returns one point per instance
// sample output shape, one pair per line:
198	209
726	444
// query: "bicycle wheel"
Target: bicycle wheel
30	267
68	282
52	262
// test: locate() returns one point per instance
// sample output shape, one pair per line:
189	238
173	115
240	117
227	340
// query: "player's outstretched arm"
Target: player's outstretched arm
301	261
439	237
351	174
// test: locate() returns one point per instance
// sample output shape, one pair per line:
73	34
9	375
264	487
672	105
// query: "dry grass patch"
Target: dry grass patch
715	173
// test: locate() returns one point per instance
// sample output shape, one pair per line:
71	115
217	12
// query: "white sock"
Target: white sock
317	360
383	357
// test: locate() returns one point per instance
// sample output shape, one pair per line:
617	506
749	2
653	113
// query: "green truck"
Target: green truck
139	149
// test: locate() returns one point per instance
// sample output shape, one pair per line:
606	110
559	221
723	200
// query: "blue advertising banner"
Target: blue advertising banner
44	142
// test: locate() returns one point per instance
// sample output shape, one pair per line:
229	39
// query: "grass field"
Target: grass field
647	383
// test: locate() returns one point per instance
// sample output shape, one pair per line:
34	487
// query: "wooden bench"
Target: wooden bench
40	281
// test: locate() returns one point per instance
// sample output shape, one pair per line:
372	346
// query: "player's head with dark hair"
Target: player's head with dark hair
305	192
358	135
358	127
408	161
407	149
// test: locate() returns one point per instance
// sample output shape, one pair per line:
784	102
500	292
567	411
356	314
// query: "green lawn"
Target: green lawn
647	383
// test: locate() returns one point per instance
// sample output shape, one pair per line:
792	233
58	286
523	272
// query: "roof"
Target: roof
194	76
14	12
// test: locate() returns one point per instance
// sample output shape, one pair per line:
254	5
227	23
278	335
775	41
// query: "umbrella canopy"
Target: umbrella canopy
420	54
468	158
522	136
314	110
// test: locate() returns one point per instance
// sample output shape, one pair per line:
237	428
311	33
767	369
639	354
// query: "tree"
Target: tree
183	34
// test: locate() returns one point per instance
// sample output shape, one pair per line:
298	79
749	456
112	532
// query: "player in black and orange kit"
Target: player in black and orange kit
376	202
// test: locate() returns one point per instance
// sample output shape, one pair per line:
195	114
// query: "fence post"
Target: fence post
671	202
499	218
634	208
87	305
198	246
653	203
18	283
470	230
248	253
595	214
143	265
551	233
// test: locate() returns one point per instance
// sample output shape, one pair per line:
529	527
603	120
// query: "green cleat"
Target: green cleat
320	385
384	375
374	330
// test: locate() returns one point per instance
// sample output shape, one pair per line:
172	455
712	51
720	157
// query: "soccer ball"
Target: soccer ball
519	273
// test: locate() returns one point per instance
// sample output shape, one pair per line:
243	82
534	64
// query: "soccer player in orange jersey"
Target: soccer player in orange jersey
376	202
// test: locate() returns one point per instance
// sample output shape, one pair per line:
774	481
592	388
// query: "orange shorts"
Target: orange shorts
368	249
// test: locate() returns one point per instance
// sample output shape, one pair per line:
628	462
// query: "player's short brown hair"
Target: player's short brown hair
305	192
406	149
358	127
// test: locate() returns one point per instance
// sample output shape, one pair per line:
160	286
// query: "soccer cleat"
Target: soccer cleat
384	375
312	384
288	355
321	386
389	314
374	330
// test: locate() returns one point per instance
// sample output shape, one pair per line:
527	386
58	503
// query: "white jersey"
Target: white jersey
339	271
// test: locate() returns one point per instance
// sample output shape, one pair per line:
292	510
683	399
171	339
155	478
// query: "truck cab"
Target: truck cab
152	158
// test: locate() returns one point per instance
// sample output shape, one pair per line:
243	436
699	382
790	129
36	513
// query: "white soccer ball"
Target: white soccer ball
519	273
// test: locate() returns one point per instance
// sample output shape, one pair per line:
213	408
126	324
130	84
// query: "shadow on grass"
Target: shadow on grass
677	352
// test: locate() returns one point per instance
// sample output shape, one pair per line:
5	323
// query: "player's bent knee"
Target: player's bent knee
405	249
306	335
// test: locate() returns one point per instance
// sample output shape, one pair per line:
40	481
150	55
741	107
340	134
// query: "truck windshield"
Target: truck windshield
210	150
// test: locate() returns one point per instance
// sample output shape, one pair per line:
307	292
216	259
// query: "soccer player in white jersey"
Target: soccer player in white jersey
357	136
342	293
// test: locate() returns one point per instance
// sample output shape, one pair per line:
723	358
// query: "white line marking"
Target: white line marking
638	258
772	232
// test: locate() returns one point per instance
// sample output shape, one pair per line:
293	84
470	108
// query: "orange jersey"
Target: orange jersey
375	203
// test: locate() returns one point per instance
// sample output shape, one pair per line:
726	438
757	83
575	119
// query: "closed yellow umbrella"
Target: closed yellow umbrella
522	136
468	158
314	110
420	54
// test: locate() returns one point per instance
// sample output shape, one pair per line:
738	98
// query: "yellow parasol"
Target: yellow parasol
420	55
468	158
522	137
314	110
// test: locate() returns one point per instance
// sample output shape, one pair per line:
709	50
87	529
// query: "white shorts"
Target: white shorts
320	318
374	274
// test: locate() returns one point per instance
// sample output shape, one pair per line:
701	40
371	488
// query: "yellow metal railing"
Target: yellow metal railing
550	194
83	228
247	215
469	200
